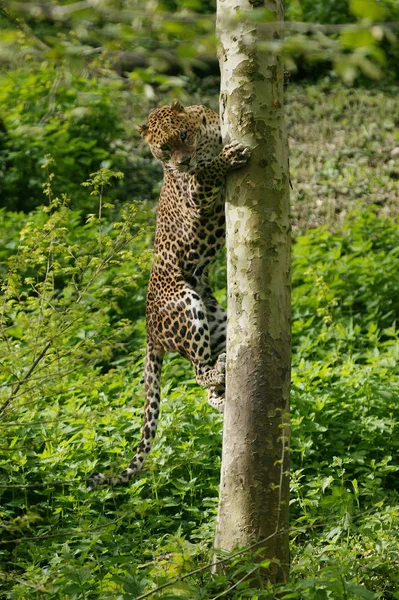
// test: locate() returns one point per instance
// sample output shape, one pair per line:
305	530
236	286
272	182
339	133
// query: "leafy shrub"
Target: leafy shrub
78	122
329	11
339	11
346	357
360	54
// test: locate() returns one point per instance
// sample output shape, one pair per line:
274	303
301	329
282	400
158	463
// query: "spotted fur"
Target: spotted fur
182	315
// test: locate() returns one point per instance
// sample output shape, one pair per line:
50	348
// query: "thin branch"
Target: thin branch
100	223
74	416
232	587
280	491
39	382
63	12
49	267
48	11
22	423
24	27
79	345
29	373
303	27
52	99
26	486
61	534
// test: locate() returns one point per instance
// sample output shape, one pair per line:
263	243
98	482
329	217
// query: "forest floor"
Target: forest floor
344	148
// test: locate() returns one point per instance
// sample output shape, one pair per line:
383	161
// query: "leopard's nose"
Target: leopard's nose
185	161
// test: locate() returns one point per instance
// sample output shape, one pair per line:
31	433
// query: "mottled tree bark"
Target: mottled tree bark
254	490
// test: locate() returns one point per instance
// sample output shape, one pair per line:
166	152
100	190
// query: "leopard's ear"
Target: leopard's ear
177	106
143	130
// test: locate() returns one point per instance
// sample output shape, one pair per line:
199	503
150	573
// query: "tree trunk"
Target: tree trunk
254	491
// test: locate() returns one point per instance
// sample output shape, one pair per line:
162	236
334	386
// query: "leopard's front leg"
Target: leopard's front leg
205	185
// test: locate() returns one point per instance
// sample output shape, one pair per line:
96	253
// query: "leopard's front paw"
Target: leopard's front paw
221	363
236	154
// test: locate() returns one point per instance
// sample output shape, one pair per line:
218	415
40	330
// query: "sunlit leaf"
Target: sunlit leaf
367	9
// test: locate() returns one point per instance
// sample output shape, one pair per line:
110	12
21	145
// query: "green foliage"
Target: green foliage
71	397
198	6
341	11
345	376
71	359
72	335
77	121
319	11
357	52
162	44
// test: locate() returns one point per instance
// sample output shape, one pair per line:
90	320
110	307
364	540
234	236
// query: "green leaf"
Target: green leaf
360	591
357	38
367	9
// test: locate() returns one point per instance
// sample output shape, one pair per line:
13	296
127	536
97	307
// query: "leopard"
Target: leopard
182	314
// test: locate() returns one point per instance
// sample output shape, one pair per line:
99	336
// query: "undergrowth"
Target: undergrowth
72	343
71	396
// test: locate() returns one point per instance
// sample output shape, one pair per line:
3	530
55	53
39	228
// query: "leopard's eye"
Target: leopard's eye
183	135
165	148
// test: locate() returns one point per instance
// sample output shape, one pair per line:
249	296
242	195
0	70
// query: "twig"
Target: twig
24	27
63	12
302	27
100	223
75	416
66	326
26	423
49	11
232	587
61	534
43	380
22	381
52	96
39	485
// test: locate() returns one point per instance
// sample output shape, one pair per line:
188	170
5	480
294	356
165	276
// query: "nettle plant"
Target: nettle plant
61	296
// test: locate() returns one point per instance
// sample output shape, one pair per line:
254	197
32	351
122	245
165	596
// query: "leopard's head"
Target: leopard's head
173	134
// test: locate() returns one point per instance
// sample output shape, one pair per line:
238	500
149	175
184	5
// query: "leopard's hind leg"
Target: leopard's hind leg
207	343
217	321
199	332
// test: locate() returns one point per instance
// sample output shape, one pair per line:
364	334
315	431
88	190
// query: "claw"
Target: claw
237	154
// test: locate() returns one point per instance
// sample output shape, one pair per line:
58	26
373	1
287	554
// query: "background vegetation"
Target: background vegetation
74	262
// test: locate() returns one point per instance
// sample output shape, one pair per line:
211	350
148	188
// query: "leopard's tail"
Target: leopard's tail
152	376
